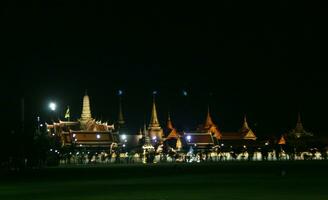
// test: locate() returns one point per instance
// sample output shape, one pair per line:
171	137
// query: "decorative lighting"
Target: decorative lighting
222	144
123	145
80	145
98	136
123	137
74	135
154	137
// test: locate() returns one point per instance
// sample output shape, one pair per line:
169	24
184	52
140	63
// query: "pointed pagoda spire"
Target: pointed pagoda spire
245	124
153	118
169	122
120	112
86	111
209	121
299	125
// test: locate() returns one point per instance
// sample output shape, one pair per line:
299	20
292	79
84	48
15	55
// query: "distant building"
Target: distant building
299	131
154	129
129	139
210	127
86	132
173	138
245	133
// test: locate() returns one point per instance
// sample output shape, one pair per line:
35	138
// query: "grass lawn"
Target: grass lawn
231	180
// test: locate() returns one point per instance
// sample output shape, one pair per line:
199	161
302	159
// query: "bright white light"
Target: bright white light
74	135
41	125
50	149
267	143
123	137
244	146
80	145
154	138
123	145
53	134
98	136
52	106
188	137
222	144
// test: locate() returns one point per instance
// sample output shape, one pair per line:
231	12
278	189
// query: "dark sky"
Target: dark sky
266	60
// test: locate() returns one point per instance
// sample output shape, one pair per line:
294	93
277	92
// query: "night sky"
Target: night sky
265	60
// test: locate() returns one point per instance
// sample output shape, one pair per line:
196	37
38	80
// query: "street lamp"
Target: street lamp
52	106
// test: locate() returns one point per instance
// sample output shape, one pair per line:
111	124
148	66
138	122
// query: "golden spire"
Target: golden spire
154	119
299	125
86	111
245	124
209	121
169	122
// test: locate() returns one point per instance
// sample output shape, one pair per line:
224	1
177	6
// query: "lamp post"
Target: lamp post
53	107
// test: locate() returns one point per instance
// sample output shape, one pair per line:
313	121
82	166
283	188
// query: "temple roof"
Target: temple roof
209	126
246	132
173	134
282	140
299	130
169	123
245	126
232	136
199	138
172	131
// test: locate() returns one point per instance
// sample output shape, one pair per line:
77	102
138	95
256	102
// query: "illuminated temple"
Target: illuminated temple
299	130
86	132
95	139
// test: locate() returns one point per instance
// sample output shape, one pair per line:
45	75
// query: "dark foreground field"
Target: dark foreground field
233	180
